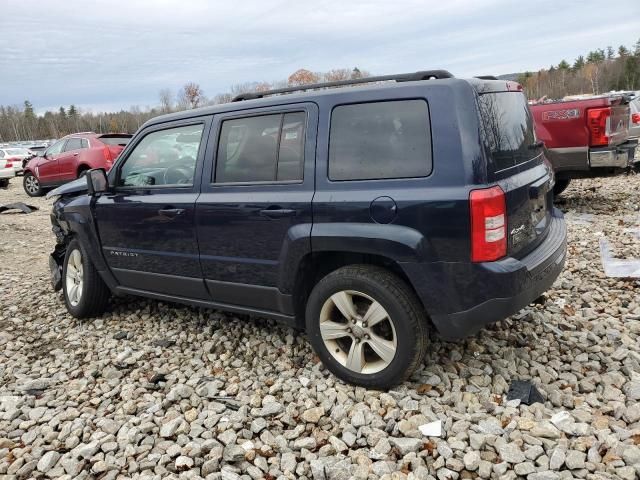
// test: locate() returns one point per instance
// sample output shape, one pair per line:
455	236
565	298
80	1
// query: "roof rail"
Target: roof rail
487	77
80	133
402	77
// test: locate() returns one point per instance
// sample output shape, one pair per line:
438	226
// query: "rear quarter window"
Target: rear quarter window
506	126
380	140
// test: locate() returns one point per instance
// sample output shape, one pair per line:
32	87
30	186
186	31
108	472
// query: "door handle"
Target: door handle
76	154
278	212
170	212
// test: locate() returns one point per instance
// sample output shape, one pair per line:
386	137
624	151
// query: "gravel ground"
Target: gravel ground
153	390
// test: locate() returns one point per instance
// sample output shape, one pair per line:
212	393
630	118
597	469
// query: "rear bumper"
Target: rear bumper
7	173
620	156
461	298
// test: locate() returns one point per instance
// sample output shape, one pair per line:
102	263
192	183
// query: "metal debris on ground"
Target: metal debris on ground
524	391
617	267
23	207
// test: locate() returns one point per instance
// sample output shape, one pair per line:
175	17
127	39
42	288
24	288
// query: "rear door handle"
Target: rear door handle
278	212
170	212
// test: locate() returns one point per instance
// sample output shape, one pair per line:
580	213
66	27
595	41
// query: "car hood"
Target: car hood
75	187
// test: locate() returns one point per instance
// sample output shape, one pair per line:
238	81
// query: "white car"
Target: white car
17	156
7	172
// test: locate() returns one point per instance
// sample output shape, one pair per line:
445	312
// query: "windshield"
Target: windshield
114	140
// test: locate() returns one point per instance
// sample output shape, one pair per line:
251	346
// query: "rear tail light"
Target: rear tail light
8	164
107	155
599	125
488	224
635	118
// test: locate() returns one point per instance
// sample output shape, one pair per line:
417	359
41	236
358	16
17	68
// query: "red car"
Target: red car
70	157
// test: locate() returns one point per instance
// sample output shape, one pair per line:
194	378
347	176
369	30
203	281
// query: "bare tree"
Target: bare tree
166	100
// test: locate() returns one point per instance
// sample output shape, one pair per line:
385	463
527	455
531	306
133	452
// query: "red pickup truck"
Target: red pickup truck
586	137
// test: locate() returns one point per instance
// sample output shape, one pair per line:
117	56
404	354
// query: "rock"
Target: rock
631	455
471	461
272	408
169	428
575	460
524	469
233	453
406	445
48	461
557	458
544	475
313	415
511	453
288	462
184	463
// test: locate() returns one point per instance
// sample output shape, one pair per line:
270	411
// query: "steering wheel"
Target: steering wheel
178	175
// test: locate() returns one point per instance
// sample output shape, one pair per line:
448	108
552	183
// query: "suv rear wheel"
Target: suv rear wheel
85	293
31	185
366	326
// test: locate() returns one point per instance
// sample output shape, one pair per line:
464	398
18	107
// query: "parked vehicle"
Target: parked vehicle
634	119
16	156
585	137
358	214
7	172
70	157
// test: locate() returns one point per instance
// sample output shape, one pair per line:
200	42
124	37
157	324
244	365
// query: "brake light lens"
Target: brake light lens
599	125
8	164
488	224
635	118
107	155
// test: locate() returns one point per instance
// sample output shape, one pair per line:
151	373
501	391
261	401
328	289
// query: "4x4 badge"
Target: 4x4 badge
120	253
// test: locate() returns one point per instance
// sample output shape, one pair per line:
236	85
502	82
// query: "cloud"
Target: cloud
120	53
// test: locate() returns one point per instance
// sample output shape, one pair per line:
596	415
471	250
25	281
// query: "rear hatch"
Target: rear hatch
115	142
516	162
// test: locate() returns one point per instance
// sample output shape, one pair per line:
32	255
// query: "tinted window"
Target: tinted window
73	144
507	128
166	157
380	140
266	148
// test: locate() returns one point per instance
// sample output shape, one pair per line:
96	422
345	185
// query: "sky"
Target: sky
108	55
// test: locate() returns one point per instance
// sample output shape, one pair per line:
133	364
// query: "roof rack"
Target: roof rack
402	77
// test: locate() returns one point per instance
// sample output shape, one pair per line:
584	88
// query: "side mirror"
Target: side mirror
97	181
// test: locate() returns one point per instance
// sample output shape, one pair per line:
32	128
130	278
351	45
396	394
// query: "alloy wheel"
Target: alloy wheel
358	332
31	184
75	277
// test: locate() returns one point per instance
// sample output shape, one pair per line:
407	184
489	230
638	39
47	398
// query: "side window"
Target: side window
380	140
1	154
85	143
56	148
73	144
166	157
266	148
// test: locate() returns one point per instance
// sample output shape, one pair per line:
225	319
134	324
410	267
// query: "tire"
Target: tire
402	331
91	295
82	172
31	185
4	182
560	186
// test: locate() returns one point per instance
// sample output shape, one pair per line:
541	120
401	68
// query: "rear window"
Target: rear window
380	140
507	128
113	140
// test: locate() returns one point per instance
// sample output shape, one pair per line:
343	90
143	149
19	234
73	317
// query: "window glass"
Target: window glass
56	148
1	154
85	143
507	128
380	140
166	157
73	144
265	148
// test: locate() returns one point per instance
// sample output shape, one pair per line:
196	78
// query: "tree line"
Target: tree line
599	71
20	122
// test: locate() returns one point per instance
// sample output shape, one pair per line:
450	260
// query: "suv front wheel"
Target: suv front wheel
367	326
85	293
31	185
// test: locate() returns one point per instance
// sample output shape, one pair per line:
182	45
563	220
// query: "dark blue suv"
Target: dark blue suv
360	214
